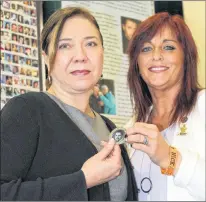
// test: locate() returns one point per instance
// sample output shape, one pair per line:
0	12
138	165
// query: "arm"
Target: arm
19	140
190	173
106	101
194	162
190	168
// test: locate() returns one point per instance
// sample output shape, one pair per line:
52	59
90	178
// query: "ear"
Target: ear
46	60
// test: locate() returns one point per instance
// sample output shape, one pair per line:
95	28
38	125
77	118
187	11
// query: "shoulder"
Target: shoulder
200	104
28	97
28	102
201	99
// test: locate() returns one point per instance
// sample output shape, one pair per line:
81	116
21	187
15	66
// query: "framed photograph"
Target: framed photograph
13	6
15	70
9	80
35	84
15	59
21	39
7	15
8	57
35	63
20	19
20	9
20	29
28	72
13	16
22	60
14	27
7	25
7	68
23	71
6	4
9	91
15	80
14	37
6	36
102	99
16	91
14	48
22	51
34	43
129	25
7	46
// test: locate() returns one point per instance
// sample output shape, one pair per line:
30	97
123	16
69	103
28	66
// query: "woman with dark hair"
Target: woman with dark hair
166	136
51	142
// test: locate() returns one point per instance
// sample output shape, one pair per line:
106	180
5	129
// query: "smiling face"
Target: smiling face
161	61
79	57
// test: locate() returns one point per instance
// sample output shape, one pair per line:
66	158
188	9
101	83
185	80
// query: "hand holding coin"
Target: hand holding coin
119	135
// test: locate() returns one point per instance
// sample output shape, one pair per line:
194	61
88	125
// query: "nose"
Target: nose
80	54
157	55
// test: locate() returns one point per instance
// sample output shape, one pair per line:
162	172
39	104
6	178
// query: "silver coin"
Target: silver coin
118	134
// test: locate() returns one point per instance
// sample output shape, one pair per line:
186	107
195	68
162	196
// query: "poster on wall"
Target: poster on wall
19	49
117	20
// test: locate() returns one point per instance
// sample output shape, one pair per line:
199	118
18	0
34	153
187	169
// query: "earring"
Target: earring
49	78
101	77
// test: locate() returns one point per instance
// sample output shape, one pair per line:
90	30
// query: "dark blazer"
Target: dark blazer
42	152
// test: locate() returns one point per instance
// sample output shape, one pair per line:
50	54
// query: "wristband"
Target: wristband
173	159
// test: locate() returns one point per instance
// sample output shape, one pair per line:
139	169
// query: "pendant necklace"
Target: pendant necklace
146	183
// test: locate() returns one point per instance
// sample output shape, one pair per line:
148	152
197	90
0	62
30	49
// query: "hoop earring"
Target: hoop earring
49	78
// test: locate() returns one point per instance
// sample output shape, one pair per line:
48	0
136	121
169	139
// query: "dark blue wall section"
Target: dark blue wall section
173	7
50	7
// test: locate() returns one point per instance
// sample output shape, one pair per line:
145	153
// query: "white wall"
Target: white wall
194	15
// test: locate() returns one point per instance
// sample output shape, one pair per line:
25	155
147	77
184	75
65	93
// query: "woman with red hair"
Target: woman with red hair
166	136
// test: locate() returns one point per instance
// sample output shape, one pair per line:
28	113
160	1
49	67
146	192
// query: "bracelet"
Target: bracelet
173	159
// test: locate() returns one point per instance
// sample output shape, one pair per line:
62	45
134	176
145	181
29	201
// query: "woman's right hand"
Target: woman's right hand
104	166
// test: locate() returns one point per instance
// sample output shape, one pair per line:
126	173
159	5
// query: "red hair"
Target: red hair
139	91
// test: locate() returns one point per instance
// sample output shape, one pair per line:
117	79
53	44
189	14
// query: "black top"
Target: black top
42	152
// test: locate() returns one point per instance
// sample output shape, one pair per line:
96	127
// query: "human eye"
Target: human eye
146	49
91	43
64	45
168	47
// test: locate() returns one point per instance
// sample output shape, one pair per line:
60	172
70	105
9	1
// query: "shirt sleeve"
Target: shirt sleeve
191	173
19	140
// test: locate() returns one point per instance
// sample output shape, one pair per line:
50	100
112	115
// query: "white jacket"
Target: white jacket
189	182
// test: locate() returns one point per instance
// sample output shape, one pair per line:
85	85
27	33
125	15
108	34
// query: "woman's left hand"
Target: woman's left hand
156	148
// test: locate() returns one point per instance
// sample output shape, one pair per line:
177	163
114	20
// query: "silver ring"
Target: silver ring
145	141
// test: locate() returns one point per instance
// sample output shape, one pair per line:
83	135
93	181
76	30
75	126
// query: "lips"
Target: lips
158	69
80	72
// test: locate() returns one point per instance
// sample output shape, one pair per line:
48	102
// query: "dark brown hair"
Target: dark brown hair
139	91
53	27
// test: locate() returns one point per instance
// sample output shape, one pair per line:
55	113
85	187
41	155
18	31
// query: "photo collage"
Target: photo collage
19	49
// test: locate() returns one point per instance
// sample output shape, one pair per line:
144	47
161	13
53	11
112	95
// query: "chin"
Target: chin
158	85
83	86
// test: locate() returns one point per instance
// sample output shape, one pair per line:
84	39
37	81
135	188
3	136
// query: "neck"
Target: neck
163	101
77	100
